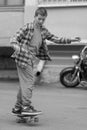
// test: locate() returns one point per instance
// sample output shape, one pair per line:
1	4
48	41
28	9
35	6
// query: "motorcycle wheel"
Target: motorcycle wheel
66	79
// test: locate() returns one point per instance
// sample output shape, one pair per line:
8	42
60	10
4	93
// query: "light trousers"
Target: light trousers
26	80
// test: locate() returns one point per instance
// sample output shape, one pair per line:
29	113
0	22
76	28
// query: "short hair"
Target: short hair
42	11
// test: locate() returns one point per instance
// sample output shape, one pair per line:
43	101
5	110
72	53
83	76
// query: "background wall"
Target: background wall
11	19
68	21
62	21
10	22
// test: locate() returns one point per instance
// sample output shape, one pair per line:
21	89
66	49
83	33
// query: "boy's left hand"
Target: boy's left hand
76	39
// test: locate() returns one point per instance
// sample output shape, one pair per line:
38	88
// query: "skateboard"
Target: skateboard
28	118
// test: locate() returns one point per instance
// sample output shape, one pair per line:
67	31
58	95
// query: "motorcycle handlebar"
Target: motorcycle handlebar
82	54
84	49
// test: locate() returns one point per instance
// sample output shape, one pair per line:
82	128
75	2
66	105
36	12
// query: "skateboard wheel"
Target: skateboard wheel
18	120
29	120
36	119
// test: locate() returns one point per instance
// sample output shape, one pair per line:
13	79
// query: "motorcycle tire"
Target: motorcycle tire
65	79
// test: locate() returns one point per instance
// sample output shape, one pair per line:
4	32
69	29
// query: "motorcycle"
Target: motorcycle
72	76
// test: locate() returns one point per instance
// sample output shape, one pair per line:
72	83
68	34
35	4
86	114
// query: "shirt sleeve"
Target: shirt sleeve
55	39
17	38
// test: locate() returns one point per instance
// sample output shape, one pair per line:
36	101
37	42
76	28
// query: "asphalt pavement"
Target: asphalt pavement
63	109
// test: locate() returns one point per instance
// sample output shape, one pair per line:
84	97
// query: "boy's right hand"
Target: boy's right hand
16	48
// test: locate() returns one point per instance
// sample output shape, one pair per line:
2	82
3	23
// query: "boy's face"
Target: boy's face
39	20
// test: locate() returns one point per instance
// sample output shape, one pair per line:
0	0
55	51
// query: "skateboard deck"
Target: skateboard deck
28	117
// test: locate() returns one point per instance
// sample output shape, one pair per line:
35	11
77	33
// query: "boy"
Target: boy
28	44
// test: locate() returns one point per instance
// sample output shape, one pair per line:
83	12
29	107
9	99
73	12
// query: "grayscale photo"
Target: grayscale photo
43	64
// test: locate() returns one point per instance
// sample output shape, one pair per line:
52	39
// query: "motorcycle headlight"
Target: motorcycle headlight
75	58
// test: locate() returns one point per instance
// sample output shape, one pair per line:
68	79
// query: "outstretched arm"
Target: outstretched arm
60	40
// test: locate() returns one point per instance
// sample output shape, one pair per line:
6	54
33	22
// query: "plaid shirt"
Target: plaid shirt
23	37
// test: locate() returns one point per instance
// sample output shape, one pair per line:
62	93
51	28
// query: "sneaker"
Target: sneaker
16	110
29	110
